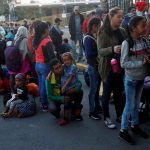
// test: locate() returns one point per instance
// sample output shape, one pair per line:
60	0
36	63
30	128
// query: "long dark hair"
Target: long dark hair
133	23
39	31
93	21
106	24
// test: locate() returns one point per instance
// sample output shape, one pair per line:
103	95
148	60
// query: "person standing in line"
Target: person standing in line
134	56
75	29
22	33
44	53
109	42
91	54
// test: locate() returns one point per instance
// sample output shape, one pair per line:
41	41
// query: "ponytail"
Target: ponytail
106	25
129	40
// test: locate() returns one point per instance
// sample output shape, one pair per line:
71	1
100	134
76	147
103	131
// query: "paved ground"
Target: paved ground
42	132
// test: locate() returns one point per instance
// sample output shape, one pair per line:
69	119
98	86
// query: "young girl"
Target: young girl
69	80
20	95
91	54
134	59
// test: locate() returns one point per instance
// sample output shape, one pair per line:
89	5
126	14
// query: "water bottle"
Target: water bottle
115	66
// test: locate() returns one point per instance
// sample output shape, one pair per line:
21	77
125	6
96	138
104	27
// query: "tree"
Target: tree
4	7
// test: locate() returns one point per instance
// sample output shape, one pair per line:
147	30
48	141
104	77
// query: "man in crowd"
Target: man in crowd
75	29
56	35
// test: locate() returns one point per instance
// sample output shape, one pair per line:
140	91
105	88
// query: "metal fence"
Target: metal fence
124	4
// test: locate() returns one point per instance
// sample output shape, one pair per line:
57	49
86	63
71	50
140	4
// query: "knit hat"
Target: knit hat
20	76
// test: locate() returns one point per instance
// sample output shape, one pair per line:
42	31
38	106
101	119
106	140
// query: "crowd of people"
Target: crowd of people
117	50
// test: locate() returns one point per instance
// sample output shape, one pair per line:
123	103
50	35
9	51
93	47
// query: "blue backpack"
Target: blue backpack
13	57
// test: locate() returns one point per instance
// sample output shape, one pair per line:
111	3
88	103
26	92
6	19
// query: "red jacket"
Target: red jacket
45	51
84	26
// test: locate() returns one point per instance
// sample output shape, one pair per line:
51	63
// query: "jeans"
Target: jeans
12	103
42	72
79	37
113	83
133	91
95	82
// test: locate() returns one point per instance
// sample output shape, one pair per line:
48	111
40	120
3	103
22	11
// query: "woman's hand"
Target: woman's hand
117	49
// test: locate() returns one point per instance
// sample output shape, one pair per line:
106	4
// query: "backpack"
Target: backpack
13	57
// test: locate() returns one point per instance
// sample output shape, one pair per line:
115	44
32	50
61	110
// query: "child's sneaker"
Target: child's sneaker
137	130
125	136
63	122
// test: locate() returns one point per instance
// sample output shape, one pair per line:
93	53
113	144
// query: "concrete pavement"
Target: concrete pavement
42	132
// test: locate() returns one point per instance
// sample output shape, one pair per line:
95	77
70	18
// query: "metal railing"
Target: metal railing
124	4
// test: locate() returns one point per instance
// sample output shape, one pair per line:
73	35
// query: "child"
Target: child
68	82
134	59
69	79
19	95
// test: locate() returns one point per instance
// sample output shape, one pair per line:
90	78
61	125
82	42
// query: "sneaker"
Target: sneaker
125	136
137	130
63	122
45	108
109	123
95	116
